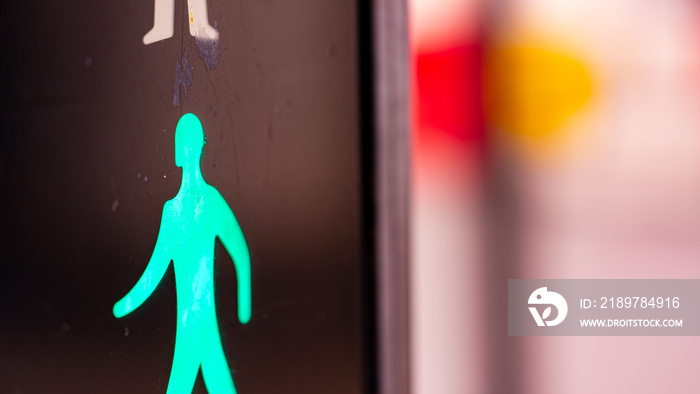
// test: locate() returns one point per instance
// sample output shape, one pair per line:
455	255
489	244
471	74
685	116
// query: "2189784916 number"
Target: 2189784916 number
639	302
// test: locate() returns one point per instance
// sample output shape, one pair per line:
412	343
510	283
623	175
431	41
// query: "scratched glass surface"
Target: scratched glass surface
88	160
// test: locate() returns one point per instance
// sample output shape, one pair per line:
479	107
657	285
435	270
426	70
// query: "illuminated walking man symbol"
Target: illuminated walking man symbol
191	222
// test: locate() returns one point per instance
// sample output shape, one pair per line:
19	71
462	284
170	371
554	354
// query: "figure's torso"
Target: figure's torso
192	228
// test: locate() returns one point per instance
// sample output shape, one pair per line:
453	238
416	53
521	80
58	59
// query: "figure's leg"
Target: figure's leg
198	19
217	375
185	367
163	22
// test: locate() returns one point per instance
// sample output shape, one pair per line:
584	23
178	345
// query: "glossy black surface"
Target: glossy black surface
87	162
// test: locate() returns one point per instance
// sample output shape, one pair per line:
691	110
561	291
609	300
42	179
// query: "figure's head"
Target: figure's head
189	141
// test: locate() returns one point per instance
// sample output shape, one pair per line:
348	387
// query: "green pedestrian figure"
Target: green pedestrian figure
190	224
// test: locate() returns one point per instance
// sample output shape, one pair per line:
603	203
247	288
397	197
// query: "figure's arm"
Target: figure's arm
232	237
151	276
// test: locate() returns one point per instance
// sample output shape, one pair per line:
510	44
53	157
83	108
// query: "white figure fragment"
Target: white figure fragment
164	21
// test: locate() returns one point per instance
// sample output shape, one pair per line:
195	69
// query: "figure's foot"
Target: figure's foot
158	33
163	22
198	19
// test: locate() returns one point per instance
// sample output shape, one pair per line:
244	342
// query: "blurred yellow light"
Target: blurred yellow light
530	92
